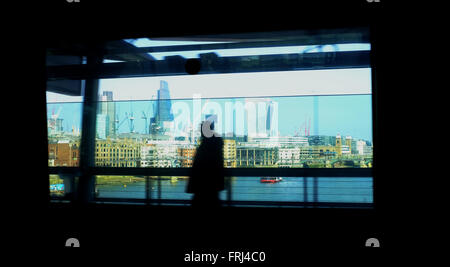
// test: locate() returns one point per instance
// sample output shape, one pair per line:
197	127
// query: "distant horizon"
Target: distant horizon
344	99
337	114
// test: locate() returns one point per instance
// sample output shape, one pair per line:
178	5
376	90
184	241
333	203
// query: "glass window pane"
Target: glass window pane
229	85
296	131
303	189
173	187
64	111
63	129
279	100
354	190
61	185
56	186
115	186
274	189
134	187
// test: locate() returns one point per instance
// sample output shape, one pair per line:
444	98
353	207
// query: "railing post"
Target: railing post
315	191
159	190
148	192
305	190
229	190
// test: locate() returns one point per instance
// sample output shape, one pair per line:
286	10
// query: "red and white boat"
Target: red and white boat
270	180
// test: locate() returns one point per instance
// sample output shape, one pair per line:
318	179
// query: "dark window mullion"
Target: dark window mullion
86	184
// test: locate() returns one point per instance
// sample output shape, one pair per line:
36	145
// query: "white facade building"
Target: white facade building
288	156
148	155
345	150
362	148
161	153
282	140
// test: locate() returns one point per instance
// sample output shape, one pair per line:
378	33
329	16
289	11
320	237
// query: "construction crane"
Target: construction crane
120	124
117	121
304	127
144	117
54	117
309	126
130	119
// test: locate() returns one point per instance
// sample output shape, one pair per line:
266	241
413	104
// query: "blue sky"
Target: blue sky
344	94
345	114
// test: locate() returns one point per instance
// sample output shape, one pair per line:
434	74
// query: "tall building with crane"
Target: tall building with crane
55	124
108	108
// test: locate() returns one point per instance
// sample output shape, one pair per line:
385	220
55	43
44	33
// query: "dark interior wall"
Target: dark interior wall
169	226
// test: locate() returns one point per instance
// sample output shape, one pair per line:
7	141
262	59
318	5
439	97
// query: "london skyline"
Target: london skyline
347	113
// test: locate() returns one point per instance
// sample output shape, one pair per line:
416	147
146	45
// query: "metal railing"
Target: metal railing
241	190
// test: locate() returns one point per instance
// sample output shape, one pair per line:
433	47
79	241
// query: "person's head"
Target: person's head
207	129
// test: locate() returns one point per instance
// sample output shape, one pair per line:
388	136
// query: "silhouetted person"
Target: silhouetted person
207	173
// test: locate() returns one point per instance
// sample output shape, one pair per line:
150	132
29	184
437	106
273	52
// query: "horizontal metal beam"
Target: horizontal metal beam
211	63
244	172
75	171
242	203
323	40
230	41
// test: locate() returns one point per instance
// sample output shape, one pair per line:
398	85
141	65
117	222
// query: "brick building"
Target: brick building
63	154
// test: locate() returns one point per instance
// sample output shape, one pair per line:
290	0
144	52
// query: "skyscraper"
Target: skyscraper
59	125
234	118
256	117
164	105
271	124
108	95
102	129
108	108
163	110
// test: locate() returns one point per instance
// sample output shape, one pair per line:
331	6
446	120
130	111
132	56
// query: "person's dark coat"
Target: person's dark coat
207	173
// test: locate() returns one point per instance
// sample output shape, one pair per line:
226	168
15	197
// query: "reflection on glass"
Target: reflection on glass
134	187
253	51
64	124
302	189
315	119
297	131
57	186
119	187
63	129
277	189
319	120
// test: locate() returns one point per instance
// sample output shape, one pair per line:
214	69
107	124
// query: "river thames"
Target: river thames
342	189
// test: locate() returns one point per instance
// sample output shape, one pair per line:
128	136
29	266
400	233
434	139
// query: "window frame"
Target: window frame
95	69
